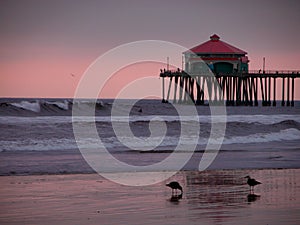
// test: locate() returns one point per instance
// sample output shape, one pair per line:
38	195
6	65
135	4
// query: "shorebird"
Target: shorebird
252	182
174	185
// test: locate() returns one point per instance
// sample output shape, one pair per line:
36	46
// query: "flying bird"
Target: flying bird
252	182
175	185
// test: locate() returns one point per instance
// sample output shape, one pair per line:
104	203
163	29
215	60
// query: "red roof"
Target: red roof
214	45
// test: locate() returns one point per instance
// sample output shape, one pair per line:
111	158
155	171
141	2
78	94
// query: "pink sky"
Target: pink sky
43	43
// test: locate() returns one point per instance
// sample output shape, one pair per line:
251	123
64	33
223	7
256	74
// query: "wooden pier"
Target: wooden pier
233	89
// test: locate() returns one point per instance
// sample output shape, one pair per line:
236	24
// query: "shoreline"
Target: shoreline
72	162
64	173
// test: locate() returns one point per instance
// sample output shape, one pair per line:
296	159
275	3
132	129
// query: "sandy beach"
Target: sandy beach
210	197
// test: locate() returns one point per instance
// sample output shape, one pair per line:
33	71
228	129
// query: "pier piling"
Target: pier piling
234	88
282	100
274	91
292	103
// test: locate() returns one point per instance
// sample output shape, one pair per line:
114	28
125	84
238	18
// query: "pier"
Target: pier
218	73
232	89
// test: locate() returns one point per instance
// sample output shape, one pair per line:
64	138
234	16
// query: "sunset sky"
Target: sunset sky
45	46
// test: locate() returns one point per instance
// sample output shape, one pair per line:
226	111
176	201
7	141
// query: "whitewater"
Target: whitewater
42	129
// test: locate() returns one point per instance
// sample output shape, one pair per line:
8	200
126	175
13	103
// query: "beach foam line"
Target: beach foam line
113	143
258	119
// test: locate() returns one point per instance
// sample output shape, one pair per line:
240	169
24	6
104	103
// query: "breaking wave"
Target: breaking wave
35	144
46	124
31	106
232	120
43	107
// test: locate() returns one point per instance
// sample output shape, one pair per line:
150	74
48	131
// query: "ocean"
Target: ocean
37	137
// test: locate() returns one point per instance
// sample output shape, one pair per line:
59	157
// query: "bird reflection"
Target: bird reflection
252	197
175	198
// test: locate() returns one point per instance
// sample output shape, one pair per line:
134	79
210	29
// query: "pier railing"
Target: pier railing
275	72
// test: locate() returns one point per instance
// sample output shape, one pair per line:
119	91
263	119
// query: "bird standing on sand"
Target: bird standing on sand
174	185
252	182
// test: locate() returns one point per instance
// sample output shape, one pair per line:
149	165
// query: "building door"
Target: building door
223	67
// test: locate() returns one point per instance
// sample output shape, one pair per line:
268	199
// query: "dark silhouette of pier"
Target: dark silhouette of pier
233	89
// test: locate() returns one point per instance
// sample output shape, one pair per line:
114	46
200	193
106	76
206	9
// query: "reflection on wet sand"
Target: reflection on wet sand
175	198
252	197
223	195
215	193
209	197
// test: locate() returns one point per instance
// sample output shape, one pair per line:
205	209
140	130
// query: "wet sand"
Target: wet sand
210	197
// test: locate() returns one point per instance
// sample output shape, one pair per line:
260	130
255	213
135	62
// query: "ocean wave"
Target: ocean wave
38	144
62	105
30	106
283	135
37	106
169	142
233	120
51	107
